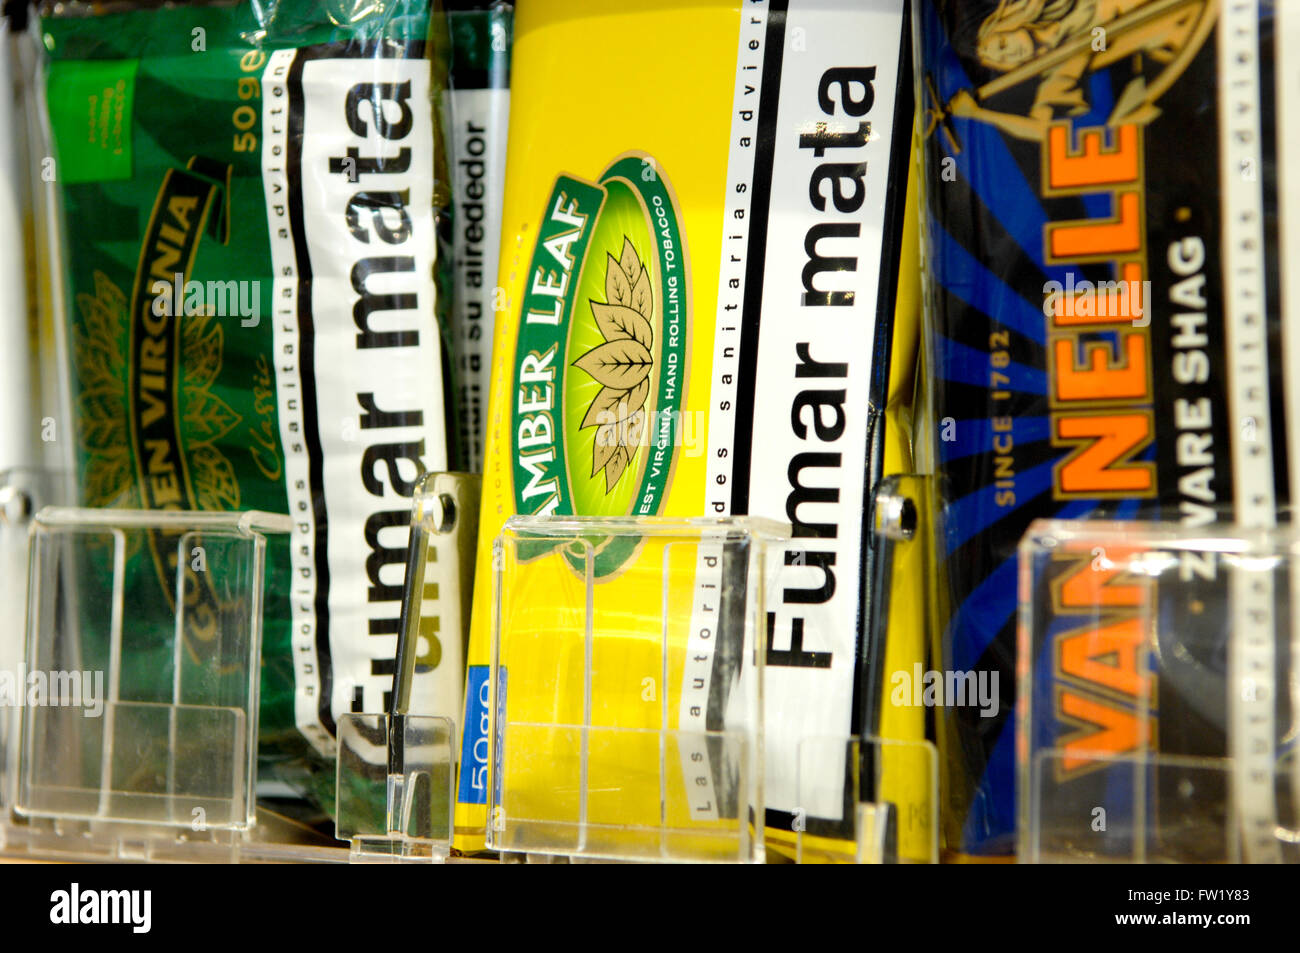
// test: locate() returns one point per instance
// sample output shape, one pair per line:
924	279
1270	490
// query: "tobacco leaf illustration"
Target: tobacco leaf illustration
107	481
614	468
605	448
99	346
617	322
215	483
630	263
99	358
207	418
618	289
202	344
622	364
641	296
101	423
606	405
97	338
635	427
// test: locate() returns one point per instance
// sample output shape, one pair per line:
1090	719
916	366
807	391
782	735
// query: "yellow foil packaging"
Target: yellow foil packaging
705	286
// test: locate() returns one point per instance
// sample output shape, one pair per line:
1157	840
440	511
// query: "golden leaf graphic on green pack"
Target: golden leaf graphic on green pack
202	341
99	344
622	364
97	351
100	363
207	418
109	481
101	425
215	484
104	313
97	340
92	366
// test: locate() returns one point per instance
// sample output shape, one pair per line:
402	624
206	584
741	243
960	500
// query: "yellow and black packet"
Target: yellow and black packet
709	264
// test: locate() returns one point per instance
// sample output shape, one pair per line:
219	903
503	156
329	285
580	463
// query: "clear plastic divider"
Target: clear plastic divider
626	721
396	769
141	668
1158	693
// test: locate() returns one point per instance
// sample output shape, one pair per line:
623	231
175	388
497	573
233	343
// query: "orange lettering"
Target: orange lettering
1081	652
1118	731
1101	380
1122	301
1091	165
1101	464
1087	238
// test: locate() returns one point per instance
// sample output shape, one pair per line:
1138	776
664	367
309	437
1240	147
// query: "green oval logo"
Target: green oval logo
600	369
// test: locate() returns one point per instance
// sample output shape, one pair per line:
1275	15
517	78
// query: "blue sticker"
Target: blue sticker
474	744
